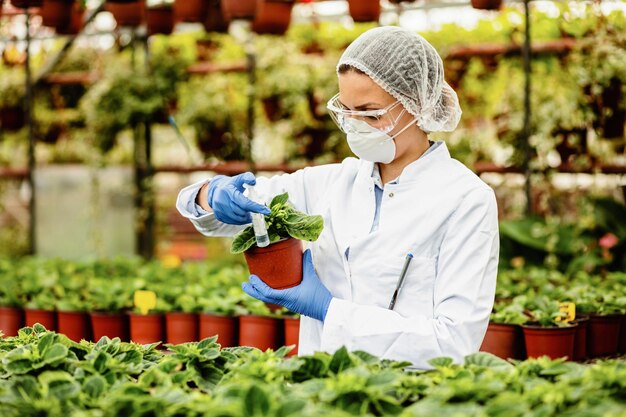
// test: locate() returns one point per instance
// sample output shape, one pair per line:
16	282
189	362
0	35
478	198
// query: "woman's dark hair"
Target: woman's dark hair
344	68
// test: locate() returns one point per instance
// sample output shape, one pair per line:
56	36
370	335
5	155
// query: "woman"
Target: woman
405	196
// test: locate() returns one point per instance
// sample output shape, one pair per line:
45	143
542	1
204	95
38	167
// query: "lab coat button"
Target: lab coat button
391	195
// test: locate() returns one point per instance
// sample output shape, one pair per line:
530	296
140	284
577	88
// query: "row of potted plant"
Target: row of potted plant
531	319
44	373
91	300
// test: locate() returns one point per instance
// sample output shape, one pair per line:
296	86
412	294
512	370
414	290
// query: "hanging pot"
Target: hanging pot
146	328
239	9
74	325
292	333
364	10
74	24
272	16
215	20
505	341
603	335
25	4
193	11
279	265
487	4
11	320
555	342
110	325
160	20
259	332
11	118
181	327
224	327
56	12
44	317
127	14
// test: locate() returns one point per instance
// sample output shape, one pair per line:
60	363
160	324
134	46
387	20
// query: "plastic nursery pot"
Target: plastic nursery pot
555	342
622	335
279	265
46	318
224	327
238	9
181	327
110	325
364	10
487	4
73	24
127	14
260	332
292	333
193	11
25	4
272	17
603	335
505	341
74	324
159	20
55	12
145	329
580	340
215	20
11	320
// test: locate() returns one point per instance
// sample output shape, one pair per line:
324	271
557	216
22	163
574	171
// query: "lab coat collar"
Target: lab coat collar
412	171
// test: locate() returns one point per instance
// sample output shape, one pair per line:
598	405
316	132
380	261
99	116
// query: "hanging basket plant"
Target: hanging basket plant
215	20
25	4
239	9
56	12
272	16
192	11
127	13
364	10
487	4
160	19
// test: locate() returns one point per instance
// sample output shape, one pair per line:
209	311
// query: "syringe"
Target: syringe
258	221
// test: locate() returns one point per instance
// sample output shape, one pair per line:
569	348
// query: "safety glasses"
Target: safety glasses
380	119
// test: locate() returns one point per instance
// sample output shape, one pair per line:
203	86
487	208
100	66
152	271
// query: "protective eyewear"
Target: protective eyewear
380	119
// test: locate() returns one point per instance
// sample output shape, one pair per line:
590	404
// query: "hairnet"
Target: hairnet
406	66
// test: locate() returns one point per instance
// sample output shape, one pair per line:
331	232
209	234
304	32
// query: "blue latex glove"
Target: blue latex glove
309	298
225	196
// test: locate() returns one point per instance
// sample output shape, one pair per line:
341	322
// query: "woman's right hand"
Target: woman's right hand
225	196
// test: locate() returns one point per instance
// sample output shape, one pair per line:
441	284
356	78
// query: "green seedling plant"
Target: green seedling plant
283	222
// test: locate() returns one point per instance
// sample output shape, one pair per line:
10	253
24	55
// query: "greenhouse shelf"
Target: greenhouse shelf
490	50
483	167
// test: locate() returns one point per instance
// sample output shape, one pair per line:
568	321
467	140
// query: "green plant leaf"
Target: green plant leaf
243	240
55	353
340	361
94	386
280	199
256	402
487	360
441	362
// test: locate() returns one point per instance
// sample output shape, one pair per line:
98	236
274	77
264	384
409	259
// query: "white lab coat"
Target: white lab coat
439	211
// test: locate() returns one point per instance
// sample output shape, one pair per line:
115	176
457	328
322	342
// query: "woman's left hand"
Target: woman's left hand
309	298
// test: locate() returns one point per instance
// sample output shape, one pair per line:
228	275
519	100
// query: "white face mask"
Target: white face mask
372	144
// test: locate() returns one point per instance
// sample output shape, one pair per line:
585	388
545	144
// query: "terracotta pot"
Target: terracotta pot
159	20
225	327
580	340
239	9
110	325
74	325
272	17
622	336
603	335
215	20
260	332
487	4
25	4
74	24
505	341
127	14
11	118
181	327
145	329
292	333
364	10
555	342
190	10
279	265
44	317
56	12
11	320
